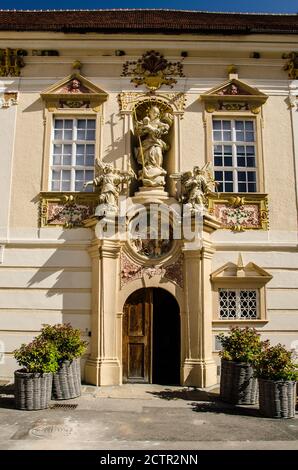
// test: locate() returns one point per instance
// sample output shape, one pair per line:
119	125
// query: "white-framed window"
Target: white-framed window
72	153
238	304
234	155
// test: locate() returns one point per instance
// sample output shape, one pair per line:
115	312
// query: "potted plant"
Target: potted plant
70	346
239	350
33	383
277	375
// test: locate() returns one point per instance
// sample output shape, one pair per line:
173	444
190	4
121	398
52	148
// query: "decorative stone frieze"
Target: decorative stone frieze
11	62
66	210
241	211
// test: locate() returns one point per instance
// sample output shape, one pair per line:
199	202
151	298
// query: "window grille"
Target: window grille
238	304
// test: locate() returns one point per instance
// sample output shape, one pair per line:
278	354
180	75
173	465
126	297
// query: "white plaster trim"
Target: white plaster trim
2	247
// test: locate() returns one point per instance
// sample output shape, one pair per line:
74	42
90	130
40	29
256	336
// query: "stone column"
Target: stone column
103	366
199	368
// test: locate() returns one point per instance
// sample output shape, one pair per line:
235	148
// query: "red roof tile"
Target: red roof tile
147	21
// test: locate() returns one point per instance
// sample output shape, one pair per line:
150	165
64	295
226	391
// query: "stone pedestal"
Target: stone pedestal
146	193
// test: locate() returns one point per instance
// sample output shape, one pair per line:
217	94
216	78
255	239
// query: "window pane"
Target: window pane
226	125
68	123
228	175
239	125
242	187
216	124
216	135
81	134
90	149
56	159
251	161
81	123
240	161
240	136
249	125
55	185
220	187
228	161
57	149
56	174
67	135
65	186
218	175
241	176
57	135
217	161
80	175
90	135
227	136
229	187
58	123
66	175
251	176
249	137
89	175
252	187
91	124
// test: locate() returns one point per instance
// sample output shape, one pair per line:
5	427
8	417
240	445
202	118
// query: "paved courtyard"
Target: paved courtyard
142	417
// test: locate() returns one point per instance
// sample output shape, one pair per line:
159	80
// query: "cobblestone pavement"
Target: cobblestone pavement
142	417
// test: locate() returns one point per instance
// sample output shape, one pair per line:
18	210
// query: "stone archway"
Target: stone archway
151	338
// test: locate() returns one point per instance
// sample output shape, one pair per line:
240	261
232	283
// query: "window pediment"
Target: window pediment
232	274
233	95
74	92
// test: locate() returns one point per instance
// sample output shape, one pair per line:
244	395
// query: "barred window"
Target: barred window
73	153
238	304
234	155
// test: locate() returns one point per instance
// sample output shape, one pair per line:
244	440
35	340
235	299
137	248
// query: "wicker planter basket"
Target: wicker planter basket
67	381
277	399
237	383
32	390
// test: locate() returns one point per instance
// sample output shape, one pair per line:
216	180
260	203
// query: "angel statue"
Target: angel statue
196	185
108	183
150	132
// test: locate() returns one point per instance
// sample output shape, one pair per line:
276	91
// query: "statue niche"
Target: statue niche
152	123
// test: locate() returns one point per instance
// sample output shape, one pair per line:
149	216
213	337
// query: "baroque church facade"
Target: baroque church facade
148	186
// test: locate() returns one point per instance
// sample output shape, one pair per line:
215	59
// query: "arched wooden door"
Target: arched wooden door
151	338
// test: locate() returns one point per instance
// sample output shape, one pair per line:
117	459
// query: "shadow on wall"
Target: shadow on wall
62	285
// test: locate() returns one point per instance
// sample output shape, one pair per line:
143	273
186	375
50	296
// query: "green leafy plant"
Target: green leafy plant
275	363
67	340
241	345
38	356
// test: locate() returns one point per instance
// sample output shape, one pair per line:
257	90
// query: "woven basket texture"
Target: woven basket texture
67	381
237	383
277	399
32	390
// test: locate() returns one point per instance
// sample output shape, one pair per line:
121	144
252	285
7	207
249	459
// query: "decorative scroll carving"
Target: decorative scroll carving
66	210
131	271
11	62
292	65
153	71
241	212
129	100
8	99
